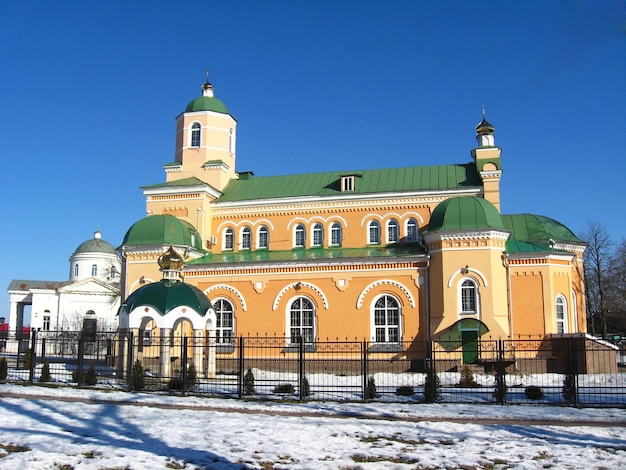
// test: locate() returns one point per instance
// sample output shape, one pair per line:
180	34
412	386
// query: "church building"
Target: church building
387	256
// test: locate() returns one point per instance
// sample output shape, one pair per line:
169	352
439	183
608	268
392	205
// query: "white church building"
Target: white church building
93	288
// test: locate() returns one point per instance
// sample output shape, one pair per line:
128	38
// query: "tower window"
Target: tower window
195	135
94	270
76	270
469	297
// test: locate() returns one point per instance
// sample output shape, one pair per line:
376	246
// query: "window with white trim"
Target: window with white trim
46	321
246	238
335	234
392	231
318	235
412	230
224	330
387	320
195	135
373	232
94	270
299	236
76	270
561	314
231	141
468	297
302	320
229	239
347	183
263	237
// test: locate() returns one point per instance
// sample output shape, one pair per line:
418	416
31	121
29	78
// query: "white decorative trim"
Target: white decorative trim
469	270
244	307
369	216
400	286
412	214
314	288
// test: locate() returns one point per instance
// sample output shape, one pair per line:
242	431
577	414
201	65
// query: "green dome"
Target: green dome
206	103
95	245
538	229
162	229
465	213
166	295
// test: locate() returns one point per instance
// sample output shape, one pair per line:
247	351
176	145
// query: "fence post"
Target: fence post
240	366
43	349
81	357
364	369
130	359
183	373
33	355
500	385
574	366
300	367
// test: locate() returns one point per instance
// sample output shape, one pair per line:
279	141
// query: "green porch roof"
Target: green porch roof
312	254
538	229
419	178
166	295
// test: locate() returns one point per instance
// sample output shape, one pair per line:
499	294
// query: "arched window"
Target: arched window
468	297
229	239
231	140
411	230
262	237
373	232
94	270
195	135
302	320
392	231
76	270
300	236
246	238
224	328
335	234
561	314
387	320
318	235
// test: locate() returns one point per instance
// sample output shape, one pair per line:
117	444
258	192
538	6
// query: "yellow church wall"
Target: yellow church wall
527	302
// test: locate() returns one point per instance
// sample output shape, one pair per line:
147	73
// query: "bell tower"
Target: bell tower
206	137
487	158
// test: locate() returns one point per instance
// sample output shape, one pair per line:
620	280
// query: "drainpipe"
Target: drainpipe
427	295
505	262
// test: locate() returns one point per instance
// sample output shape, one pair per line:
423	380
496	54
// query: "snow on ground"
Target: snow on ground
120	431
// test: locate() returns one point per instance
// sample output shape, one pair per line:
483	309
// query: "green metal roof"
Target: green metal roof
206	103
191	181
167	295
465	213
538	229
420	178
396	251
162	229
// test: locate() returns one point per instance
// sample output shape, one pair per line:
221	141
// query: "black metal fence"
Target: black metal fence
572	370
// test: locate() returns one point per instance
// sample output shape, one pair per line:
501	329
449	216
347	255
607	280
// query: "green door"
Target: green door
469	342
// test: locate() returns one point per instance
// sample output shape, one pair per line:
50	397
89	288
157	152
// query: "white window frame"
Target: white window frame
560	310
383	330
222	338
373	225
195	135
45	325
393	231
335	234
246	238
263	237
299	236
229	239
308	332
464	286
408	228
317	236
347	183
94	270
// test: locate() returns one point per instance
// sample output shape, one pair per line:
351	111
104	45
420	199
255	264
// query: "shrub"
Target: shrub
137	381
90	378
176	383
4	368
569	388
431	386
405	391
45	373
28	355
467	379
533	392
248	383
370	389
284	388
499	392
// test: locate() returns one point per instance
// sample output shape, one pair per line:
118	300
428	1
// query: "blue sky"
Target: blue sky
89	92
